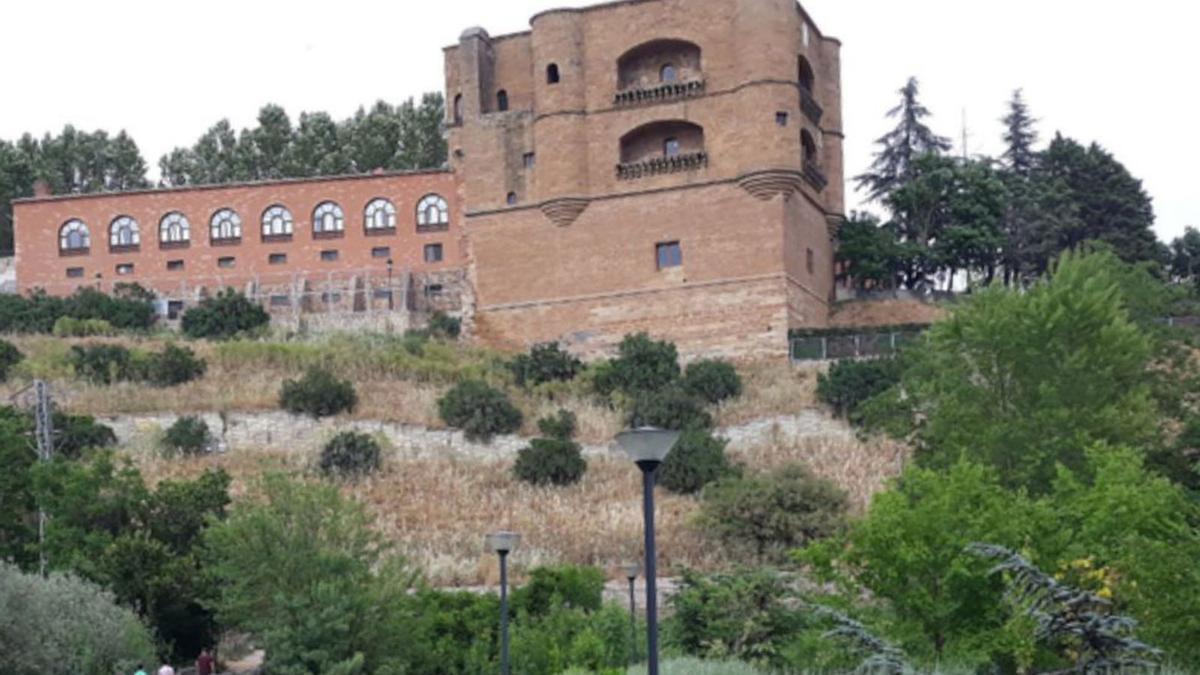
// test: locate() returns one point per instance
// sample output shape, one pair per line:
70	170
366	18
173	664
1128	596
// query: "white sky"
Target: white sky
1123	74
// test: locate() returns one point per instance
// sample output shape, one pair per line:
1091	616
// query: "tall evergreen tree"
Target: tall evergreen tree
269	144
900	147
1185	257
1019	136
1021	213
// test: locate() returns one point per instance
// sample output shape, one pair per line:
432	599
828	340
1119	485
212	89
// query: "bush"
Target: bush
642	365
573	586
224	316
350	455
71	327
173	366
696	460
76	433
671	408
188	437
849	383
545	363
9	357
712	380
125	310
444	327
319	394
554	460
479	410
774	513
101	364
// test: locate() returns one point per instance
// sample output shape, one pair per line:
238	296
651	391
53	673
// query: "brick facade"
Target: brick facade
673	166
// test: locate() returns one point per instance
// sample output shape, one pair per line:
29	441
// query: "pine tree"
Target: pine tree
1021	212
900	147
1019	137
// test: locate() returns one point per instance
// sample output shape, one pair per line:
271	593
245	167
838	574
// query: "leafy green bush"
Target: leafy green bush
554	460
172	366
350	455
101	364
73	434
574	586
67	326
712	380
697	459
849	383
773	513
670	408
9	357
444	327
188	436
319	394
224	316
129	308
546	362
479	410
642	365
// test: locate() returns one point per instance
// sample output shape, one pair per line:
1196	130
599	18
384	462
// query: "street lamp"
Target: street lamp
391	293
503	543
648	447
631	571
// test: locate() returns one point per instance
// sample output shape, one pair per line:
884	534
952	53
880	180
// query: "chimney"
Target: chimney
41	188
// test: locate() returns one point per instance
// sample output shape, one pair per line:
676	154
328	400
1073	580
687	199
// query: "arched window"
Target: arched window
502	100
276	222
174	228
123	233
432	213
328	217
74	236
552	74
380	214
667	74
458	109
810	147
808	79
225	225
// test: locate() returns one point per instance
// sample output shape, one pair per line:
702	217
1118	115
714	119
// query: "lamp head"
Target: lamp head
647	445
502	542
631	570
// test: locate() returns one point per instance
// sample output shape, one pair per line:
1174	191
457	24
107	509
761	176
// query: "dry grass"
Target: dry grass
770	389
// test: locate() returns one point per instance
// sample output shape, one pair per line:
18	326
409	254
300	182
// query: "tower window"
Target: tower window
552	74
433	253
511	199
668	74
671	147
781	118
502	100
458	109
530	160
810	261
669	254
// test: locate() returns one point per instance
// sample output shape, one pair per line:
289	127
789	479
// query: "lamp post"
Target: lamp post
648	447
391	293
631	571
503	543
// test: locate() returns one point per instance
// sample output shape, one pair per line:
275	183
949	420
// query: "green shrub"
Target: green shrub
319	394
67	326
9	357
479	410
224	316
444	327
712	380
849	383
696	460
773	513
554	460
350	455
187	436
546	362
125	309
73	434
573	586
642	365
670	408
102	364
171	367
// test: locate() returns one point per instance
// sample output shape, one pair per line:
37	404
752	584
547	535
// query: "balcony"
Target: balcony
808	104
815	177
662	165
661	93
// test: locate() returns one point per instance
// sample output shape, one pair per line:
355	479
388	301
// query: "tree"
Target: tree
868	252
1019	137
900	147
1185	257
317	148
422	145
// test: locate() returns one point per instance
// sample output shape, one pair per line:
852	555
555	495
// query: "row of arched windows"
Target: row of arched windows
225	225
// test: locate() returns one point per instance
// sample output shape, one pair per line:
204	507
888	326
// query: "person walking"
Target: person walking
141	670
166	670
204	664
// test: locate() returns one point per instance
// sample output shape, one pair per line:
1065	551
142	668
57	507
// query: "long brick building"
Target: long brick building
673	166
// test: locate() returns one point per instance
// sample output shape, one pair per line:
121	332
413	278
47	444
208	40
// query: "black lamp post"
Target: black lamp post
631	571
648	447
391	301
503	543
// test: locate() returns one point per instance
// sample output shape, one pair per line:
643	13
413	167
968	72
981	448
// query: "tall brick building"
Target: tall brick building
673	166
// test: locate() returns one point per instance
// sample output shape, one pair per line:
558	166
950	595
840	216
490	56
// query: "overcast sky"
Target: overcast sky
1123	74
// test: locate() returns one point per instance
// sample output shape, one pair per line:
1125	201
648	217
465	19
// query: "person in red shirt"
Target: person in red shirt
204	664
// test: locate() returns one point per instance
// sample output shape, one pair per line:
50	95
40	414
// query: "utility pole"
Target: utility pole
44	419
965	135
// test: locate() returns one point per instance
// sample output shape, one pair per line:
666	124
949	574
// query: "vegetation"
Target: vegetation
642	365
350	455
318	394
71	327
187	436
479	410
670	408
224	316
850	382
9	357
554	459
697	459
128	310
106	364
444	327
545	363
712	381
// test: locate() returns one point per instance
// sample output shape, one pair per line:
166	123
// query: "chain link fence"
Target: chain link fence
850	346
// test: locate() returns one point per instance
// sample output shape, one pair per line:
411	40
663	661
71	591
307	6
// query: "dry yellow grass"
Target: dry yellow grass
770	389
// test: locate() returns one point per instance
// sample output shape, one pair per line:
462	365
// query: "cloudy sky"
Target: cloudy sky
1122	74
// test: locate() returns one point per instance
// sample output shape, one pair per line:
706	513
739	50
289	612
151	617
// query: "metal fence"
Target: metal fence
861	345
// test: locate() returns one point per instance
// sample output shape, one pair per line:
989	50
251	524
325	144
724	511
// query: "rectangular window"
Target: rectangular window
331	297
382	293
174	309
781	118
74	272
226	263
125	269
277	258
671	147
381	252
530	160
329	256
433	253
810	261
281	300
669	255
434	290
174	265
